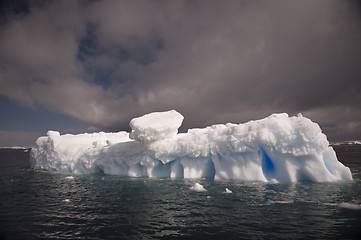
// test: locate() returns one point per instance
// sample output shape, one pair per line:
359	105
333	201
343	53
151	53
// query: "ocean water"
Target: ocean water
43	205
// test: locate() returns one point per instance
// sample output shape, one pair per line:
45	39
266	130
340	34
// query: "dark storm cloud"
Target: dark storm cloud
104	62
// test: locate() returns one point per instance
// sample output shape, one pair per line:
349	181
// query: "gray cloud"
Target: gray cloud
104	62
18	138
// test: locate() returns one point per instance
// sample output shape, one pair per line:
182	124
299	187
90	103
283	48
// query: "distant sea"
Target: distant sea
38	204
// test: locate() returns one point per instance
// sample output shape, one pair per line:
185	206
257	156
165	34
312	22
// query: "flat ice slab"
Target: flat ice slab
156	126
278	148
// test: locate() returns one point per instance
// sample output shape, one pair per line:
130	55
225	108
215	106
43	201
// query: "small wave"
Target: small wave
330	204
282	202
351	206
69	177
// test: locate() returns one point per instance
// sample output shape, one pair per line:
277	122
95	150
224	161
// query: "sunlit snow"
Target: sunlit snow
278	148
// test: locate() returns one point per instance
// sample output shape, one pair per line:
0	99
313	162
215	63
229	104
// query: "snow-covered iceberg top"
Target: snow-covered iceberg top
156	126
278	148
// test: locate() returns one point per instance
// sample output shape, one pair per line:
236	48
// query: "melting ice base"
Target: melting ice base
278	148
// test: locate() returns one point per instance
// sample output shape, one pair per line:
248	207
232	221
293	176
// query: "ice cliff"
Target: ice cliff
278	148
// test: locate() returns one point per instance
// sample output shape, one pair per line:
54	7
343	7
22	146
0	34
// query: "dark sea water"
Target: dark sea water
42	205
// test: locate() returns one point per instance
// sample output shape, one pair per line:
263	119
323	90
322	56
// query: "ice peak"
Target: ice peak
155	126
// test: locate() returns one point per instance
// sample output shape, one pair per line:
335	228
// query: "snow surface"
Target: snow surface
278	148
155	126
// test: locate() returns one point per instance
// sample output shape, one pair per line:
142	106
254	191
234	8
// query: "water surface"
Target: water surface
43	205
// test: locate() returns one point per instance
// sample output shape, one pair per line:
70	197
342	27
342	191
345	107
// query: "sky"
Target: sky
85	66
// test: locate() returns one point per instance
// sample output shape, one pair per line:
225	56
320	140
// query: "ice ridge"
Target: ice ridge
278	148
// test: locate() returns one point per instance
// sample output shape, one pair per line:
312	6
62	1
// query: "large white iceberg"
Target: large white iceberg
278	148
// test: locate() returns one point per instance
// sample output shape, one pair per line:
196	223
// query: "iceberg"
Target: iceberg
278	148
